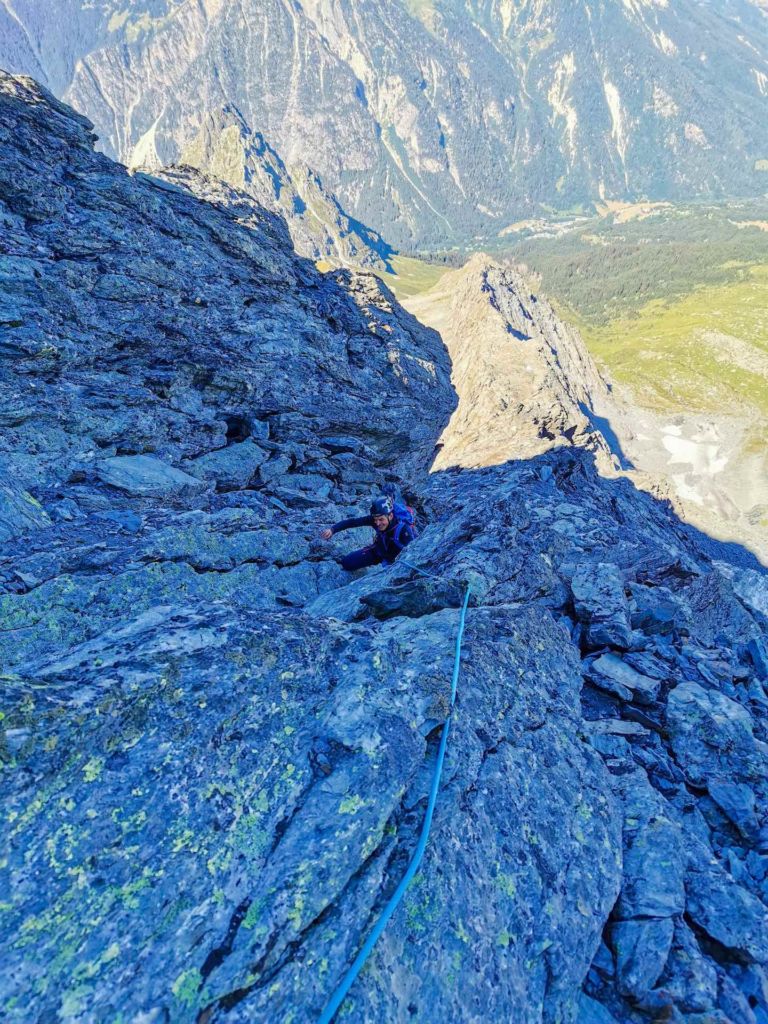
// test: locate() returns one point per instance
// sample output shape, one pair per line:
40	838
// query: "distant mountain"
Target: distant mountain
431	120
52	36
319	228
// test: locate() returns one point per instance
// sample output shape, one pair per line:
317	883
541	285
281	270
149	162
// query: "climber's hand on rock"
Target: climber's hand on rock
326	534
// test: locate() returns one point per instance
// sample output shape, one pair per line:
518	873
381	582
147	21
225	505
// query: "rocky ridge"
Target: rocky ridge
526	382
216	748
525	379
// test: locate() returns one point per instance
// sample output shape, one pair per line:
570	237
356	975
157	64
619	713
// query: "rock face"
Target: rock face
216	746
205	302
524	378
319	228
410	110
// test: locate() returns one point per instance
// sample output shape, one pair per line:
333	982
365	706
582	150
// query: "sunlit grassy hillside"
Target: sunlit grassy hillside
610	267
671	301
412	276
673	304
707	351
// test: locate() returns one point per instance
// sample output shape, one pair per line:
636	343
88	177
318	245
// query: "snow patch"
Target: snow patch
699	456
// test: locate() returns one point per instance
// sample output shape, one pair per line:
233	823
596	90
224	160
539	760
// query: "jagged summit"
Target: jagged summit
215	745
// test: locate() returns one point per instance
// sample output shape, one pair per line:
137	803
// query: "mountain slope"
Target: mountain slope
673	304
216	747
437	121
525	380
319	228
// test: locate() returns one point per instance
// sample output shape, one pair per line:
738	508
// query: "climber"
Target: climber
394	524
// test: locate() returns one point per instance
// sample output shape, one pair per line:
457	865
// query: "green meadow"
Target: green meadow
674	305
662	353
412	276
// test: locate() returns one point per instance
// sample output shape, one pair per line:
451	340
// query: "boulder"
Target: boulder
727	912
415	598
601	605
737	802
756	651
734	1004
650	663
616	727
720	615
654	860
275	469
657	610
689	976
611	672
145	476
641	949
751	980
230	468
712	736
592	1012
223	541
20	513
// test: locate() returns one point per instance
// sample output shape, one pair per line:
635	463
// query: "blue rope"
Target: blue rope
347	981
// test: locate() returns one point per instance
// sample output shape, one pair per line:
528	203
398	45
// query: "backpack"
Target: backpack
404	516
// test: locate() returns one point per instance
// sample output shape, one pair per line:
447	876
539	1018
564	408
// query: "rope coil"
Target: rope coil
347	981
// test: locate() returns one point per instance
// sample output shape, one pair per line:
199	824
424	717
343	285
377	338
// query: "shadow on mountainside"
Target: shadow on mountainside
603	426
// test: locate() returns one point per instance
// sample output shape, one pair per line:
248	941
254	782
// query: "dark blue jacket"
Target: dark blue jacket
389	543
